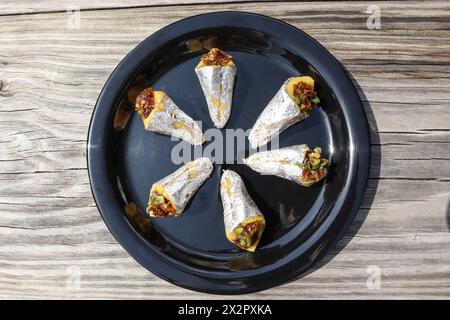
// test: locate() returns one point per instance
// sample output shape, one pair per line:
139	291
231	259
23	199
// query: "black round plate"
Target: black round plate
191	251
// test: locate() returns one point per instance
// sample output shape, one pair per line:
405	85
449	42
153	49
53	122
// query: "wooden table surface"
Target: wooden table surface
53	243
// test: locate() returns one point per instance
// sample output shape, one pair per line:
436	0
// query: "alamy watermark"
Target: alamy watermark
373	281
374	20
73	17
229	146
73	280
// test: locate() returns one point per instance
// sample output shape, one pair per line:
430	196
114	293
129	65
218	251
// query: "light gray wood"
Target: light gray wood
50	77
11	7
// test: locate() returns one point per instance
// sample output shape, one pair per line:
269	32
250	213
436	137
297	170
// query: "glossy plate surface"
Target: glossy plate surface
192	251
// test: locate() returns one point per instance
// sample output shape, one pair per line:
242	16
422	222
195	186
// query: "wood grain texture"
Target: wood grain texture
50	77
11	7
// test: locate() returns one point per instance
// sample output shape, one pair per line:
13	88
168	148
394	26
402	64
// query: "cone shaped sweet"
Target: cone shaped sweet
170	195
285	109
244	222
160	114
296	163
216	72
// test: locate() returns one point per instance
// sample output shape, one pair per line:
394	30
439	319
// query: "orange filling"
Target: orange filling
145	102
216	57
305	97
247	235
314	166
160	206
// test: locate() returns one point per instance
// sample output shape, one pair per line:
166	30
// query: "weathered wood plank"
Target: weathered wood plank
9	7
50	77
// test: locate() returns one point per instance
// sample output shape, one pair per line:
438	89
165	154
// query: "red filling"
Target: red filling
216	57
145	102
305	97
248	235
160	206
314	168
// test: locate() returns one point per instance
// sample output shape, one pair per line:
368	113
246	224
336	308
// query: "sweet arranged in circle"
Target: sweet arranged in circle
244	222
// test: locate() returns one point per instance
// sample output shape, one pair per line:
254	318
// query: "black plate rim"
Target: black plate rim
133	242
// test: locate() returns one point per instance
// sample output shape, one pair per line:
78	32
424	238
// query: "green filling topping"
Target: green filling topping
315	100
313	164
247	235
